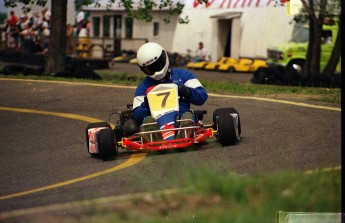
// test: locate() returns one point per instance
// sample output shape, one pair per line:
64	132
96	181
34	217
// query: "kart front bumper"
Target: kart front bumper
137	143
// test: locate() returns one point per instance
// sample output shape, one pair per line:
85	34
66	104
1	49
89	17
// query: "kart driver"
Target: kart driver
154	62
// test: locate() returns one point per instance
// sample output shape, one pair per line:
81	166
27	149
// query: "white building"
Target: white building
237	28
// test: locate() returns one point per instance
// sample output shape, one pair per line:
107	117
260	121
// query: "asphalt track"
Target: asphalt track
44	161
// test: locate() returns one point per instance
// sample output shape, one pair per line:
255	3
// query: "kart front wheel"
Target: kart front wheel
92	126
227	135
223	112
106	143
227	123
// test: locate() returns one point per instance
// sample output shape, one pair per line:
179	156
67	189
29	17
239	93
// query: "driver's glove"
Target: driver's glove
184	91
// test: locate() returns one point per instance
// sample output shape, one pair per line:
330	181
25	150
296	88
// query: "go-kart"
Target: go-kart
242	65
103	141
215	65
197	65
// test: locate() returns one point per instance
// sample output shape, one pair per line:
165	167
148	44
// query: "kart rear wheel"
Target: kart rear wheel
91	126
106	143
226	130
226	111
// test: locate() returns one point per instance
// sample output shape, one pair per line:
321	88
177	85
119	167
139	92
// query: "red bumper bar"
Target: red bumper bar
200	136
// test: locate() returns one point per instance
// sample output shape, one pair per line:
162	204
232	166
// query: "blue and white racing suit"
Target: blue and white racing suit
179	77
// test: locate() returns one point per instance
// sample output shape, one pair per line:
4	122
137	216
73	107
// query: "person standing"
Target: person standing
69	39
13	19
80	20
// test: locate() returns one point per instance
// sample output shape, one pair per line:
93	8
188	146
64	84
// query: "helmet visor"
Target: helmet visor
158	65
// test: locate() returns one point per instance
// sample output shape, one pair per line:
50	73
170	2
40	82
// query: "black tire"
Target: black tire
226	130
296	66
85	72
106	144
13	69
263	77
91	126
33	71
231	69
225	112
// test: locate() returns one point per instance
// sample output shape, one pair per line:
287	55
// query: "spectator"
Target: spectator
69	39
80	20
14	33
45	37
28	34
27	40
23	22
88	25
13	19
46	14
3	37
83	33
44	24
30	16
201	53
37	20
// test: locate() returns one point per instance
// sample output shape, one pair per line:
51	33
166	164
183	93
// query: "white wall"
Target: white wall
259	26
264	27
200	28
142	29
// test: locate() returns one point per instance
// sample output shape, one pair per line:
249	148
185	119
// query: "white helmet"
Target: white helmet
153	60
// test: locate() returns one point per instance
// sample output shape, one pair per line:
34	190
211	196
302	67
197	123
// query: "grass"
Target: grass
328	95
225	197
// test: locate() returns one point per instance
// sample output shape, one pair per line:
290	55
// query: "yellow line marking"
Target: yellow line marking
59	114
133	159
277	101
70	83
210	94
76	204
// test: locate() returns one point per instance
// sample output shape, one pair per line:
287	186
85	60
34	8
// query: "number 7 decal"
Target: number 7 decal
166	95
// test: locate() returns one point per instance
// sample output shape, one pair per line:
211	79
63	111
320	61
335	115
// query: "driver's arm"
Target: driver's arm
199	96
192	90
140	105
140	109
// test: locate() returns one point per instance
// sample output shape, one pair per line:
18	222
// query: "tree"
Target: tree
55	61
312	63
317	14
335	56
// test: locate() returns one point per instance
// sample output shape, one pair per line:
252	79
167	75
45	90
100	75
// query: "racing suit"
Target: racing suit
179	77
